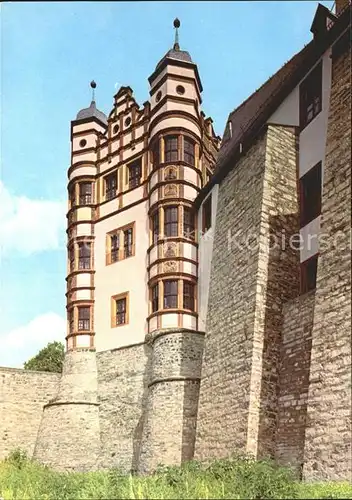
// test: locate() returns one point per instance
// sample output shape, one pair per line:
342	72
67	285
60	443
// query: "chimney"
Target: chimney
341	5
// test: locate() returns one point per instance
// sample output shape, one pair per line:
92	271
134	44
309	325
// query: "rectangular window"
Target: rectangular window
134	173
170	294
155	227
171	221
128	242
188	146
188	295
83	318
84	254
155	298
309	274
85	193
188	223
206	215
171	148
120	304
115	247
310	195
110	186
310	96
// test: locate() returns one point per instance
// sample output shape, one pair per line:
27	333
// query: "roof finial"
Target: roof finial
93	85
176	26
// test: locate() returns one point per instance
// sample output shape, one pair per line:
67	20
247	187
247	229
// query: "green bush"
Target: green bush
235	478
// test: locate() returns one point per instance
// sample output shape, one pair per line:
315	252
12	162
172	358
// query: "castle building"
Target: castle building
208	280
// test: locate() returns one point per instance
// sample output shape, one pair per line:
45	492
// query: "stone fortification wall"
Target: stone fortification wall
294	379
22	397
327	453
172	402
251	278
69	434
123	376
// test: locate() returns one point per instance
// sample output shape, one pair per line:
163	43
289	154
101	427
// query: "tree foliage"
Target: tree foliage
48	359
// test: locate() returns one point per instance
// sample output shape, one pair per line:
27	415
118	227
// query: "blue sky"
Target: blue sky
49	54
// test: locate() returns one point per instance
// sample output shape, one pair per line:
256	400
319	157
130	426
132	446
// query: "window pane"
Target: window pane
110	186
135	173
121	311
128	242
171	221
188	295
188	151
84	253
155	298
83	318
310	195
115	244
170	294
155	227
310	96
188	223
85	193
171	148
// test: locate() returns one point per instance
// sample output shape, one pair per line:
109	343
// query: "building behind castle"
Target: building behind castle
209	281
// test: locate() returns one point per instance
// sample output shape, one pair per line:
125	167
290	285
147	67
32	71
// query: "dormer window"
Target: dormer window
171	148
310	96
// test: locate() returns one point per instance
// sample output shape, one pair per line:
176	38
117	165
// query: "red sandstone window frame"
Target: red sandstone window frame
308	274
310	96
310	187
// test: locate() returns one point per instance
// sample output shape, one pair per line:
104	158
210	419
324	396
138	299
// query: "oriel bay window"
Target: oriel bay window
134	173
188	151
188	223
170	294
171	148
188	295
83	318
84	255
110	182
85	193
171	221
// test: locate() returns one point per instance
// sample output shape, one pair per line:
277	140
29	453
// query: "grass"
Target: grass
235	478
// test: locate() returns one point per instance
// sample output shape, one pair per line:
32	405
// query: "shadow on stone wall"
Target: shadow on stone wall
138	432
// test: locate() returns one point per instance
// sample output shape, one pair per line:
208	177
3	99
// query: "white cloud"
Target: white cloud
29	225
24	342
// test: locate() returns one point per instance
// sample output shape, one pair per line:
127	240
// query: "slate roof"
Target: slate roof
91	112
